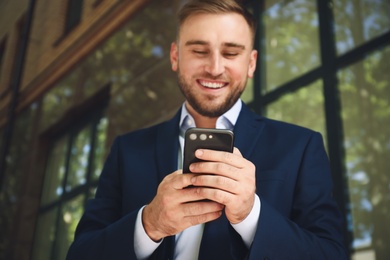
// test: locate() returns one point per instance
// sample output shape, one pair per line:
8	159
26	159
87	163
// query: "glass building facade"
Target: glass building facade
322	64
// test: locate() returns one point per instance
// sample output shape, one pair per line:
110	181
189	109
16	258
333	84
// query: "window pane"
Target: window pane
99	150
70	216
304	107
78	164
358	21
55	172
73	15
45	235
291	39
365	96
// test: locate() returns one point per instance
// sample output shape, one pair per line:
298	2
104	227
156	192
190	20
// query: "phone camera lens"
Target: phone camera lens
192	136
203	137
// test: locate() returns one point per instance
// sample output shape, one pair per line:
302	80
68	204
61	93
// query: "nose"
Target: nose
215	65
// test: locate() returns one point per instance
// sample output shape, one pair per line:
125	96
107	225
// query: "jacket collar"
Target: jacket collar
247	131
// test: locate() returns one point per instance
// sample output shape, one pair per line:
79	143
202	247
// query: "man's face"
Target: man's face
213	57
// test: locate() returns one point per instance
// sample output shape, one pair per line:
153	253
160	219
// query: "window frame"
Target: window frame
331	64
87	115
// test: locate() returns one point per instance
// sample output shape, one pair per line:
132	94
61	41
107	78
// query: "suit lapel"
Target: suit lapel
247	131
167	146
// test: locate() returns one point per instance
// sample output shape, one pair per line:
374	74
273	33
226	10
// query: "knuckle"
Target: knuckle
184	181
219	167
202	219
222	182
198	192
193	221
219	196
227	156
193	209
199	166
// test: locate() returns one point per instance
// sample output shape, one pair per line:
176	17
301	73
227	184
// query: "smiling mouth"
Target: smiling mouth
212	85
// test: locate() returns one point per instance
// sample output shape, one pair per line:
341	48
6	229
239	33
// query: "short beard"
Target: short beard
200	106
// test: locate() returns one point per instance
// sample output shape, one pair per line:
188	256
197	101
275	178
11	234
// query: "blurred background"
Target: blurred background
76	73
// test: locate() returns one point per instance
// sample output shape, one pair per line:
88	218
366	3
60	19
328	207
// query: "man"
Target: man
269	199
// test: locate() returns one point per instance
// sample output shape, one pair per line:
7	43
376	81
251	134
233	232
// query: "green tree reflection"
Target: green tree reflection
292	42
358	21
365	93
135	62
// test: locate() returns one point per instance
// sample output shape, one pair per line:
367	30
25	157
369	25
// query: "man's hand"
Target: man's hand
175	207
226	178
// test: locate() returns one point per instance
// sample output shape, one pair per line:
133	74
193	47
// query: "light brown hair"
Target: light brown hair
215	7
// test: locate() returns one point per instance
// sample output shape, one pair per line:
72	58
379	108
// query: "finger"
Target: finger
180	180
200	219
216	168
217	182
201	207
220	156
191	195
216	195
237	151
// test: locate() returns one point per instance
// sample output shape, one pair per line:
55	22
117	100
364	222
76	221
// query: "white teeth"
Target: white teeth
212	84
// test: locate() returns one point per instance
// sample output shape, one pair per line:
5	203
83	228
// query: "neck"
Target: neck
202	121
205	122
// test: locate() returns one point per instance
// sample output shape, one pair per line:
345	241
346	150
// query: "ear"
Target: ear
252	63
174	56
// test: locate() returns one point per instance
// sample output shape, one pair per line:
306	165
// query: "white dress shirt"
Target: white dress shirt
188	241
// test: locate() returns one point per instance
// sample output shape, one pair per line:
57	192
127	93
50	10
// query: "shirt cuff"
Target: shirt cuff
247	228
143	245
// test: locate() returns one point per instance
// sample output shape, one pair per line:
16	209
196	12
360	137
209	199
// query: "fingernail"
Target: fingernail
199	152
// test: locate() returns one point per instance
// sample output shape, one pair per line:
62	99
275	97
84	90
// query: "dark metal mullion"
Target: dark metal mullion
359	53
334	124
291	86
67	196
91	156
61	199
259	79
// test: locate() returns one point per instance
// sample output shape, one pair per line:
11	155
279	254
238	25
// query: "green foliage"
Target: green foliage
365	95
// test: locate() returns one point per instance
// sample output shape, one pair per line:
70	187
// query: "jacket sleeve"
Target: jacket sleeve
311	229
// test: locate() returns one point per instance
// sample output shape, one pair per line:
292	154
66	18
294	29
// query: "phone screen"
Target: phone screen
205	138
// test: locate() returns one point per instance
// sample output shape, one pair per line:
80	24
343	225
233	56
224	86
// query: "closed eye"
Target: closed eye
199	52
230	54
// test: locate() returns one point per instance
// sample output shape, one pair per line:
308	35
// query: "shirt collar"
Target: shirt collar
225	121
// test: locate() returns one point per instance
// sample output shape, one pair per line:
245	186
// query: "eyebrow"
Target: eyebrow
227	44
234	45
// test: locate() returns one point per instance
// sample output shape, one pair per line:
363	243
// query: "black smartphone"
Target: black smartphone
205	138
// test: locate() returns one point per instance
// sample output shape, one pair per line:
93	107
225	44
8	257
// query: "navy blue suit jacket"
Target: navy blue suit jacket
299	218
